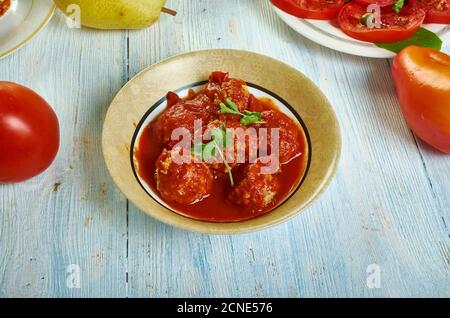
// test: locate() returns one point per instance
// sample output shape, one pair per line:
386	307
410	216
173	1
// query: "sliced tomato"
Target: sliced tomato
394	27
310	9
381	3
438	11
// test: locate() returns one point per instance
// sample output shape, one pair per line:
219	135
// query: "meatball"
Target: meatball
183	114
174	117
221	87
289	134
256	189
185	183
237	151
202	107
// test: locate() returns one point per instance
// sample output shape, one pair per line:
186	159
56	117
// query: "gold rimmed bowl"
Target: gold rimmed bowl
143	98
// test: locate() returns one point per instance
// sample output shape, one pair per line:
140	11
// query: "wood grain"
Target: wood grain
72	214
388	205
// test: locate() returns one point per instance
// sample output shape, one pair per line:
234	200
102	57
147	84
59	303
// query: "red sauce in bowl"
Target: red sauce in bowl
219	205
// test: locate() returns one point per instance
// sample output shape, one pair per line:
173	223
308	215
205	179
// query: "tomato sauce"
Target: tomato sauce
217	207
4	6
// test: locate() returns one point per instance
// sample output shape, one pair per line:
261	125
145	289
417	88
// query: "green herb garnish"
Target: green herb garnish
248	117
220	139
367	19
398	6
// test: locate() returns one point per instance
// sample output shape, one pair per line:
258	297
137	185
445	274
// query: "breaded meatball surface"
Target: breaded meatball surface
256	189
185	183
221	87
289	134
183	114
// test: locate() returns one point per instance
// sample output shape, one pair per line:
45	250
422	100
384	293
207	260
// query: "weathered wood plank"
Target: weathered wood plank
72	214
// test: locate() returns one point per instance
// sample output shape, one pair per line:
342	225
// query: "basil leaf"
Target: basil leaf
422	37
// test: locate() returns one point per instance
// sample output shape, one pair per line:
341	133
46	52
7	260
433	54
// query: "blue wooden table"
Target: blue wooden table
381	229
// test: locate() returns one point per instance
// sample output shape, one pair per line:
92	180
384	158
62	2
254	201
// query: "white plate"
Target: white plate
324	33
23	20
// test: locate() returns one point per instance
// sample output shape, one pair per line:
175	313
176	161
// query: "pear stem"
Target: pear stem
169	11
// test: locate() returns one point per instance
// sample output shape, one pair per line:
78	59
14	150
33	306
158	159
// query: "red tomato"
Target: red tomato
438	11
394	26
381	3
29	133
422	80
310	9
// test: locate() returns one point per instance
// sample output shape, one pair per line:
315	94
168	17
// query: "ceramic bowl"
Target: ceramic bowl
143	98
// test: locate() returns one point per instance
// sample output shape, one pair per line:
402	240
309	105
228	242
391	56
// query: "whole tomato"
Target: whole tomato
29	133
422	80
310	9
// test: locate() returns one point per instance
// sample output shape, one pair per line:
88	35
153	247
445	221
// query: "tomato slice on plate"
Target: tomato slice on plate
381	3
394	27
438	11
310	9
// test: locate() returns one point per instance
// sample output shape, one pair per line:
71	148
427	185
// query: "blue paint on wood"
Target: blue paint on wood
388	205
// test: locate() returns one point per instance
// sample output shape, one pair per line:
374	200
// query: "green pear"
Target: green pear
115	14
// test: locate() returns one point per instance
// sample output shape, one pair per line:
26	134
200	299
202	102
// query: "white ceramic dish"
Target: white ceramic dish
324	33
23	20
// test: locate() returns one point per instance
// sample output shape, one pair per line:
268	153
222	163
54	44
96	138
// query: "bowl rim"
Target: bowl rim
242	227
